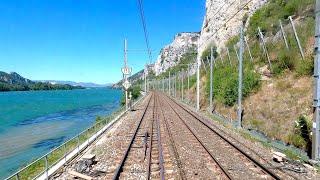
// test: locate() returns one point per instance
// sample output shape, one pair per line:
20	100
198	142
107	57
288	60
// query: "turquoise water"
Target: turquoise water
33	122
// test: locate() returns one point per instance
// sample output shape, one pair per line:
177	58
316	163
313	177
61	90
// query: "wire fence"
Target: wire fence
277	87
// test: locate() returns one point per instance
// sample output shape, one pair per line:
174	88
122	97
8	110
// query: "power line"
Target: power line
222	7
144	25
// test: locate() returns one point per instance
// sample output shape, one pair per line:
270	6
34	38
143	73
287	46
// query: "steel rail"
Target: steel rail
161	161
225	171
119	168
151	139
275	176
173	145
250	149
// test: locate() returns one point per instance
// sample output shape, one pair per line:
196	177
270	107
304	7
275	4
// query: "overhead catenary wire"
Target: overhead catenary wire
144	26
215	14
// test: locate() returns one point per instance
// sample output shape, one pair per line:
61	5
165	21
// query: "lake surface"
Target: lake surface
33	122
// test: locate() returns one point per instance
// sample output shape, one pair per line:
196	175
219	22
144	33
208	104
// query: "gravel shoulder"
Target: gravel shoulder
106	149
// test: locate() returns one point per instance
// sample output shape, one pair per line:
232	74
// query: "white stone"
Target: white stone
170	55
219	26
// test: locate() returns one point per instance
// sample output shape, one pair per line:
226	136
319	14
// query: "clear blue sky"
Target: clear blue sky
82	40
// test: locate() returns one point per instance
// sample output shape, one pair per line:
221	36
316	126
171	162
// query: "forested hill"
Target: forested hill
14	82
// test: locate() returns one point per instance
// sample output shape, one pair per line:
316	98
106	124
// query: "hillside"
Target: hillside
13	78
14	82
171	55
277	98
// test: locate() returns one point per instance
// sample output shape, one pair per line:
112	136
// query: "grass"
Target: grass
225	83
301	136
283	62
187	58
267	18
135	92
291	154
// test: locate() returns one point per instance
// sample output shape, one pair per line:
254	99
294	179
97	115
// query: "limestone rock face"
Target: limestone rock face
223	20
170	55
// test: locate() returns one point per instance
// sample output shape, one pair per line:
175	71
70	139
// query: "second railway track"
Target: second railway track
238	163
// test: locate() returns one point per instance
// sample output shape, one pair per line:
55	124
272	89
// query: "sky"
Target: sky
82	40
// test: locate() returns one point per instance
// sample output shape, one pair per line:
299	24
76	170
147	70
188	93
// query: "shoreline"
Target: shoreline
41	134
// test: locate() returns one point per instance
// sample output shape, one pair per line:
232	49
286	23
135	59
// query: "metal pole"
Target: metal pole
169	84
211	77
198	79
188	81
163	84
236	50
248	47
125	75
145	81
316	96
46	163
240	77
182	84
78	144
175	85
65	152
297	38
283	35
126	100
264	47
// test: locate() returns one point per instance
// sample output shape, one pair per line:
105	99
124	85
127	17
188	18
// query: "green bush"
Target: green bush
135	92
267	17
207	53
187	58
225	83
301	136
99	118
305	68
286	60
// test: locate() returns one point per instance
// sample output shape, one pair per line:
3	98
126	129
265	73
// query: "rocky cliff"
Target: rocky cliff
223	19
170	55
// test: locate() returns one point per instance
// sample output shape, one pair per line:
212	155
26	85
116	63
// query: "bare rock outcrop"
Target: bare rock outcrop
223	19
170	55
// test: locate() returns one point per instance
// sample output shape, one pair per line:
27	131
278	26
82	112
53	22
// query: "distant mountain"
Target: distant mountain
13	78
72	83
14	82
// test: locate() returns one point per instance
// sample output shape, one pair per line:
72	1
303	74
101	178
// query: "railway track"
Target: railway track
238	163
169	141
196	161
244	147
133	159
144	157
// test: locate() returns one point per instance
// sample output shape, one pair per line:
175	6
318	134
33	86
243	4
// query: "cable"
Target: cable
144	25
222	7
